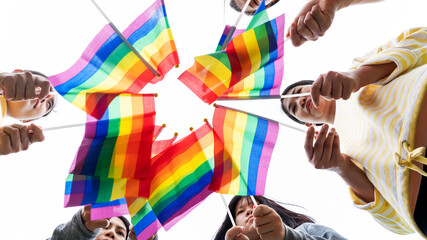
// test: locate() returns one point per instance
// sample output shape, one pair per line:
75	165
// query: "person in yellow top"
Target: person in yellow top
25	96
380	110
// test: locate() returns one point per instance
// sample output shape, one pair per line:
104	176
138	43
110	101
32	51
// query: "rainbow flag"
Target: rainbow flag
182	176
109	66
144	221
268	79
119	144
212	75
248	143
115	208
83	190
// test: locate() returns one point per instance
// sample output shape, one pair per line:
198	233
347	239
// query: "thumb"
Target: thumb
95	224
35	133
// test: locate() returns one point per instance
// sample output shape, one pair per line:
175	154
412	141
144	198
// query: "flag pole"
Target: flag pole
64	127
254	201
126	41
264	97
228	211
262	117
233	28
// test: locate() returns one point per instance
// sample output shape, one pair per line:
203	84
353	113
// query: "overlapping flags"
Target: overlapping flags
109	66
121	167
251	65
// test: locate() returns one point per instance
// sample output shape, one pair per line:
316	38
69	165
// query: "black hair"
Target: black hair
290	218
285	110
236	7
127	224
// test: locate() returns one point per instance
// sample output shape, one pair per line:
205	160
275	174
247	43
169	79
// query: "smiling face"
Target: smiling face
116	230
303	109
32	108
244	217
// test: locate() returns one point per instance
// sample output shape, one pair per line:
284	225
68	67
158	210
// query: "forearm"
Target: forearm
369	74
357	180
340	4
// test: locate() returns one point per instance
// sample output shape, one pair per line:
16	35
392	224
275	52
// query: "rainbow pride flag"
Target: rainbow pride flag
115	208
248	143
119	144
268	79
212	75
144	220
109	66
83	190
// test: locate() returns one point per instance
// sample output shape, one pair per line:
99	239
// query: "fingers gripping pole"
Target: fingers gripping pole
228	211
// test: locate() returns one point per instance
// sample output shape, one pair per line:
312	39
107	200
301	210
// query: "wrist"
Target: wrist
344	166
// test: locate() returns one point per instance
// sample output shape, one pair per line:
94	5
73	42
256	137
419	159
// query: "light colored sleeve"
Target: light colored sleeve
382	212
312	231
408	51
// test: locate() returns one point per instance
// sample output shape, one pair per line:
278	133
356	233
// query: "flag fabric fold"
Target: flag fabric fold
252	63
109	66
248	142
119	144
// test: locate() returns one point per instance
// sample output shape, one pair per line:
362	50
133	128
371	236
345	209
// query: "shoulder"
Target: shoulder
319	230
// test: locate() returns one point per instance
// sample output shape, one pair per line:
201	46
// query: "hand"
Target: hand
95	224
19	86
326	153
312	21
18	137
236	233
268	223
334	85
132	235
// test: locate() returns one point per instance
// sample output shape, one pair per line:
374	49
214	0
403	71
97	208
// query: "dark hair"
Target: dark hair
290	218
127	224
236	7
285	110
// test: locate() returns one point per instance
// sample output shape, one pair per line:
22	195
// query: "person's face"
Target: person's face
116	230
253	5
303	109
31	108
244	217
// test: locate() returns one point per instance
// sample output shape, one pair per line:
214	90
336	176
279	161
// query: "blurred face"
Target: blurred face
116	230
31	108
243	216
253	5
303	109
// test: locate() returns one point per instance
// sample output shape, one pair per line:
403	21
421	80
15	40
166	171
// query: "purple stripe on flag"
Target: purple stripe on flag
270	141
278	77
193	203
108	212
87	55
150	230
144	17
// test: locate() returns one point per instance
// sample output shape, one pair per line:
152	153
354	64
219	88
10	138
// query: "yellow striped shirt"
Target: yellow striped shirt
375	121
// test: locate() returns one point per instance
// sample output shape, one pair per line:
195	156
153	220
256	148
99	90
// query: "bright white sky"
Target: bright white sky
50	35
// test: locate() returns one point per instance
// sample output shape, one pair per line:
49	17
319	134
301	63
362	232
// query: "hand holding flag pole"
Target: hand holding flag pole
126	41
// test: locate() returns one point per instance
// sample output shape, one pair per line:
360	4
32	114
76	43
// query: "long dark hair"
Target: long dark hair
290	218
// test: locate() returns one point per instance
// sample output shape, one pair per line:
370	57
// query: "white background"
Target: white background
50	35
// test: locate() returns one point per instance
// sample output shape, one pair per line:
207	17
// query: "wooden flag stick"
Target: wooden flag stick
228	211
63	127
233	28
265	97
126	41
262	117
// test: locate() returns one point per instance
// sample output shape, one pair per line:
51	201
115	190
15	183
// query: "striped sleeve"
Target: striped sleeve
383	213
408	51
